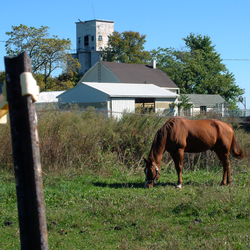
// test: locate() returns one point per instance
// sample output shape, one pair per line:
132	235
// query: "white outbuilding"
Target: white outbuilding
47	100
117	98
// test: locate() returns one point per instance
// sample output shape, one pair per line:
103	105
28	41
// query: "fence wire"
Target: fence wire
230	116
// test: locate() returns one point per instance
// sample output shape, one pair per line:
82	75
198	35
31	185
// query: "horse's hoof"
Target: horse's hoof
178	186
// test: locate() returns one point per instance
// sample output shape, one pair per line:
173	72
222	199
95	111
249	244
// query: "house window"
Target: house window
86	41
92	38
100	38
203	109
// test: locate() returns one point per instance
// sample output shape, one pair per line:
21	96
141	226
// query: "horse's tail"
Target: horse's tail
236	150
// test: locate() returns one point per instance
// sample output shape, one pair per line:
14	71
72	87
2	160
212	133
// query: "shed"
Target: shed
117	98
47	100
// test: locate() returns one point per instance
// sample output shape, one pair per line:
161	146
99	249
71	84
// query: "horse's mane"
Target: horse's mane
158	139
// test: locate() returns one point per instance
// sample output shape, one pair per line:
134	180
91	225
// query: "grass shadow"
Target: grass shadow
164	184
118	185
129	185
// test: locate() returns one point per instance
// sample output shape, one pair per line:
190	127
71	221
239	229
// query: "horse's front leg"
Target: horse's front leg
178	161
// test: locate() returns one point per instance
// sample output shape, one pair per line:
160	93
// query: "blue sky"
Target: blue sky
164	23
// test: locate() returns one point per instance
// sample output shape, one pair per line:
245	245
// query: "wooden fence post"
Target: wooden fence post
26	154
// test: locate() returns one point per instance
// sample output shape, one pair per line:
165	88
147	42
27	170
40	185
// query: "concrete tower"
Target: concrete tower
91	39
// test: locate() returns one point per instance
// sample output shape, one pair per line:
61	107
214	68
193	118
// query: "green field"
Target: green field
93	188
96	212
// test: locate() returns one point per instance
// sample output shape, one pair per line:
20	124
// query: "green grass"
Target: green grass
93	211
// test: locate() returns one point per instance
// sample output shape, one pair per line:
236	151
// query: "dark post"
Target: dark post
26	154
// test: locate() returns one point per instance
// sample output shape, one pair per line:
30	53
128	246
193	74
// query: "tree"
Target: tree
183	104
67	80
2	76
46	54
198	69
126	47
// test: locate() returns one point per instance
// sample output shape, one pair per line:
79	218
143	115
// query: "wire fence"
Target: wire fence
230	116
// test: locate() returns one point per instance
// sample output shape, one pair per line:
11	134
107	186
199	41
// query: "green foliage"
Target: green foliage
46	54
126	47
184	103
2	76
64	81
198	69
24	38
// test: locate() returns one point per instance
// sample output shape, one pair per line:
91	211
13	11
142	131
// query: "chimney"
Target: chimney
153	64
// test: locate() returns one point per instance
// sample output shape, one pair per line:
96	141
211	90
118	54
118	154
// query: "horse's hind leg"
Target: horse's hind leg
178	160
224	158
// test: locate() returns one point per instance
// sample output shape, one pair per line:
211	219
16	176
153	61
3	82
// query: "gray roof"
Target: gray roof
95	20
208	100
132	90
139	73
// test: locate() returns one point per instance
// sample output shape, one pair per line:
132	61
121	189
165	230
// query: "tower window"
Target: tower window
86	41
92	38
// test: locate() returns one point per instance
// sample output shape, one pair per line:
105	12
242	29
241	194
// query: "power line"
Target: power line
236	59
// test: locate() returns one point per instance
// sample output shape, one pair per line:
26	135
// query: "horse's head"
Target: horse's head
152	172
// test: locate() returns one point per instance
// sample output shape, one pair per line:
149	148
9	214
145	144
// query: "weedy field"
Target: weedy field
93	189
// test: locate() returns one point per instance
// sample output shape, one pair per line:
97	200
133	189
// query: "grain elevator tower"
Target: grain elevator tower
91	39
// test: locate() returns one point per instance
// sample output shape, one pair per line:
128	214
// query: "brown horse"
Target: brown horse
179	135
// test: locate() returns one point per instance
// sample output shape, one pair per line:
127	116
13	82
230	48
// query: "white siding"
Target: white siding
116	97
163	104
105	75
121	105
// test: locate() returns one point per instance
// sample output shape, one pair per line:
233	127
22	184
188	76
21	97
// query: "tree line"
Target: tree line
196	69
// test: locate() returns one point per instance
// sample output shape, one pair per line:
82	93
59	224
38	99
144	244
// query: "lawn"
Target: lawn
93	211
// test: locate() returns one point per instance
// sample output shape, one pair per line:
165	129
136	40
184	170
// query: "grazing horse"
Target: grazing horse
179	135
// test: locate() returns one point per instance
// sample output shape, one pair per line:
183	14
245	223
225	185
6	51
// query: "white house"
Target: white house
202	103
117	98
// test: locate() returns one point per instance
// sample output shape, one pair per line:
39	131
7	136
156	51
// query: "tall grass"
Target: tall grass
88	140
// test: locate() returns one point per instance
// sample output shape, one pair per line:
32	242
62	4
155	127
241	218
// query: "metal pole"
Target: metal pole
26	154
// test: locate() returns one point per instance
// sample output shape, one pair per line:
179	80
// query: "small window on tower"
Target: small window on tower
92	38
86	41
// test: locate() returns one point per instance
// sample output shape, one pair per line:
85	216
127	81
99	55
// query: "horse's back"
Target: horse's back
198	135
